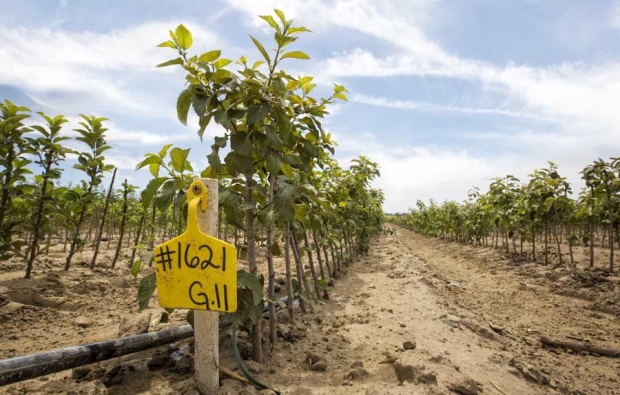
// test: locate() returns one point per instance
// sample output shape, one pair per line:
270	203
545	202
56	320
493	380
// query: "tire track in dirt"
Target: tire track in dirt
527	305
386	300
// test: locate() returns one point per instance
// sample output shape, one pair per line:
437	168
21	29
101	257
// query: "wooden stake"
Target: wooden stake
206	322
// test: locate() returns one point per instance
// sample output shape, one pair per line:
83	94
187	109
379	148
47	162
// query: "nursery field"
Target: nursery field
514	290
435	314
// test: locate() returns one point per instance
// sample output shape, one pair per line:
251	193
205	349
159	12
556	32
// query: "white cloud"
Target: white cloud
614	15
102	67
575	102
422	106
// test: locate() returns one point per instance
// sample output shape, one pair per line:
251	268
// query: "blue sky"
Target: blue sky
445	94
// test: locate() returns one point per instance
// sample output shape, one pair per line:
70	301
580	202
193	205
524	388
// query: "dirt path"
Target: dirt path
443	296
440	296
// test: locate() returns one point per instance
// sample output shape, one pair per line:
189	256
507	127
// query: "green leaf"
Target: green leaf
270	21
241	143
295	55
340	96
221	117
273	164
150	190
171	62
183	103
275	249
147	286
154	169
283	40
210	56
273	137
221	76
149	160
257	112
250	282
135	269
203	122
184	37
179	156
280	15
199	103
222	63
214	162
262	50
300	29
168	44
239	163
164	150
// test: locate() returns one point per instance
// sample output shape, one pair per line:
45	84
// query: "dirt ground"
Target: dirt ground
472	319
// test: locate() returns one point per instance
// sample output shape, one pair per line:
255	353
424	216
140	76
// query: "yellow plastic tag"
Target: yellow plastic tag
195	270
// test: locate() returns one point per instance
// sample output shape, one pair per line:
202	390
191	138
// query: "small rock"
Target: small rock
82	322
436	358
160	359
134	324
312	358
184	364
389	357
480	330
94	374
320	366
254	367
409	345
402	325
428	378
266	392
79	373
116	375
466	387
407	372
120	282
356	373
357	364
532	374
247	391
453	318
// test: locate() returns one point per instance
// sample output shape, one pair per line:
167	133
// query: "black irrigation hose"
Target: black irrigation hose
244	371
27	367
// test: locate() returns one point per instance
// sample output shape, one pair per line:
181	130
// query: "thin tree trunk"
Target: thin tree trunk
611	225
557	242
289	283
123	220
301	273
78	226
546	243
533	245
103	215
137	239
327	266
257	347
152	232
39	219
315	280
591	241
4	204
320	259
49	236
272	273
570	249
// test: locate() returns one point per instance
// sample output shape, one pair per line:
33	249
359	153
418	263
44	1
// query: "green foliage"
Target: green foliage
513	210
13	172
